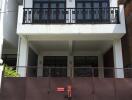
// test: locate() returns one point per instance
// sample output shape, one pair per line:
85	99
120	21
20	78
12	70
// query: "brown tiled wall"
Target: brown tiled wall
127	39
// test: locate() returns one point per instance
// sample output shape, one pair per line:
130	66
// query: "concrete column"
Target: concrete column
113	3
100	66
70	66
22	57
118	59
40	66
70	3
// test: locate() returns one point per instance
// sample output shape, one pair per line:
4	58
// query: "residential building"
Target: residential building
56	44
82	30
77	30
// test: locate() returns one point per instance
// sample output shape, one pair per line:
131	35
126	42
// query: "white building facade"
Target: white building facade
8	24
69	34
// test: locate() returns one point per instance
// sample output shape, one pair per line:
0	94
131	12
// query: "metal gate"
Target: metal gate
83	88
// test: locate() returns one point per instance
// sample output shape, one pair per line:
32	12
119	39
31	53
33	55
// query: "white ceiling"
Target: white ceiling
50	45
76	45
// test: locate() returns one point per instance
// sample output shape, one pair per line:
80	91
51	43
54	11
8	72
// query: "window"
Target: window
55	66
49	11
92	10
85	66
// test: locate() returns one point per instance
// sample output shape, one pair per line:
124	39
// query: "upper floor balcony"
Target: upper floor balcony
39	17
108	15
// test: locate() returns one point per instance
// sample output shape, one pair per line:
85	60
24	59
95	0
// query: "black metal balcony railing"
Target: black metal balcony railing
71	15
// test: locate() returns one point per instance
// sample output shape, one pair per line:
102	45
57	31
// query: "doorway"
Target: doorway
49	11
55	66
90	11
85	66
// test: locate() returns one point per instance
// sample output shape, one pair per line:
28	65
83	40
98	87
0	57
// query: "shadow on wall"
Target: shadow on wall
32	62
109	62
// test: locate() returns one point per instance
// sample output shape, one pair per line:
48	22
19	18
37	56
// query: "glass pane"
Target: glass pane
61	11
105	11
37	5
36	12
44	12
96	10
55	66
85	66
79	11
53	11
88	11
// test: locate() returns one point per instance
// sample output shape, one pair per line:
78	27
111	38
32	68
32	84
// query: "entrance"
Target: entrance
55	66
85	66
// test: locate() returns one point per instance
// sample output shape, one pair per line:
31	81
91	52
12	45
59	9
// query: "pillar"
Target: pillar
100	66
70	66
22	57
118	59
40	66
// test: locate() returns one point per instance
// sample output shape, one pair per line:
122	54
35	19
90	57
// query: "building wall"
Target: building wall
32	58
9	21
127	39
0	9
91	29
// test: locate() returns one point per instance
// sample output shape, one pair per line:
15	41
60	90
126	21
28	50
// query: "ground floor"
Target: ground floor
88	66
70	57
67	56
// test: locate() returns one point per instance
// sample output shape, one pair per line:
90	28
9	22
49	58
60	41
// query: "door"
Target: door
105	12
57	13
55	66
49	11
36	12
89	11
85	66
83	11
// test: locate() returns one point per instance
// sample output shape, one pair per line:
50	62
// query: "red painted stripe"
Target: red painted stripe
60	89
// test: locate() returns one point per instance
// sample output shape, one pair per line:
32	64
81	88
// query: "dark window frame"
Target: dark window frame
56	20
92	10
54	69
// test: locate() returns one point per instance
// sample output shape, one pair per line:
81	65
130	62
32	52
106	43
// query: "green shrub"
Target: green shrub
10	72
